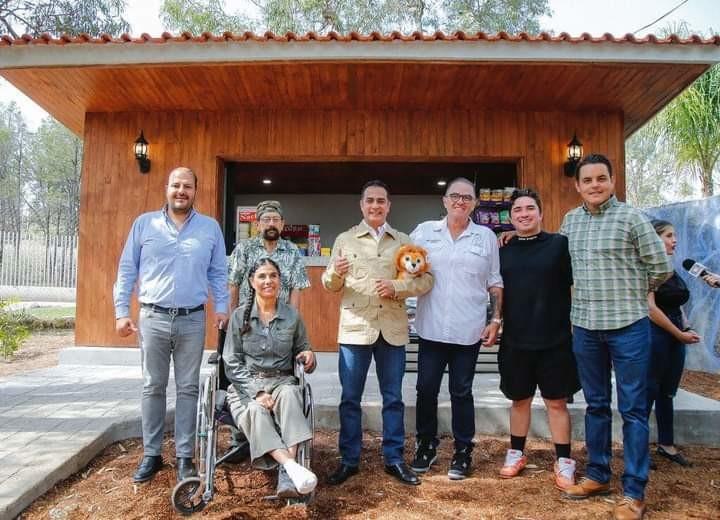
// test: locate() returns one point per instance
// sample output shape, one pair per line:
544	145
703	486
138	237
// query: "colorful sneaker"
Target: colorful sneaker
460	465
515	462
425	456
564	473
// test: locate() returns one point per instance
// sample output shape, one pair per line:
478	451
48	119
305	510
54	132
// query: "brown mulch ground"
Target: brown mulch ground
701	383
105	489
40	350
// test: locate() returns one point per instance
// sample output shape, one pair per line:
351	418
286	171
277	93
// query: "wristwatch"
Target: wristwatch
496	320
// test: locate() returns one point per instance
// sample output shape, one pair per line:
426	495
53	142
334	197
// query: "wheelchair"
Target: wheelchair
191	495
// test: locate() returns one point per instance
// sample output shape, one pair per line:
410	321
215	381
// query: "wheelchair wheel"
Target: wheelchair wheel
187	496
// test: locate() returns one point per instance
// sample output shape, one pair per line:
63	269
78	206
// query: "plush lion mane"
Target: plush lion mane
409	255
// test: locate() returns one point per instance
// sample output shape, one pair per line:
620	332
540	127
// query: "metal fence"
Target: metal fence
35	260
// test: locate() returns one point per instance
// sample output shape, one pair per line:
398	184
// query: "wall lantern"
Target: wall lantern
141	153
575	153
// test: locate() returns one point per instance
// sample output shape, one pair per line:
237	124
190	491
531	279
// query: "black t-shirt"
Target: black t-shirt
537	275
671	295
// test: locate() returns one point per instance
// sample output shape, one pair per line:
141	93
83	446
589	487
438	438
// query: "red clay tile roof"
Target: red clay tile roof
354	36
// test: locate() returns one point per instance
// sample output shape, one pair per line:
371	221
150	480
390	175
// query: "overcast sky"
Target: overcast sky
573	16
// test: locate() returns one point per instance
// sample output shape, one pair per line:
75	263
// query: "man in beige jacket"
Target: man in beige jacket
373	323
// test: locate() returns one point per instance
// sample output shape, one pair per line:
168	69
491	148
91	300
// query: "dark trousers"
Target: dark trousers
667	361
433	357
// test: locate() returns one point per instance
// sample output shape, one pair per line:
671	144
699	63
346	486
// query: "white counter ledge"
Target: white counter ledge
316	261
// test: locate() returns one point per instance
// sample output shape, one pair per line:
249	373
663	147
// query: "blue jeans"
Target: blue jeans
183	339
433	357
354	362
667	361
628	351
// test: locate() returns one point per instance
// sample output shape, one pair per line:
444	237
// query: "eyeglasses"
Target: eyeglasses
271	220
457	197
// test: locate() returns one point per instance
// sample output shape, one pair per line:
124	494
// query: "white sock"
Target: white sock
304	479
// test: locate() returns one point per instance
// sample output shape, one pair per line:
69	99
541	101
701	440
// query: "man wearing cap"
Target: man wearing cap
268	243
173	257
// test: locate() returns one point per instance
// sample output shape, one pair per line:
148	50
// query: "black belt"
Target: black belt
266	374
173	311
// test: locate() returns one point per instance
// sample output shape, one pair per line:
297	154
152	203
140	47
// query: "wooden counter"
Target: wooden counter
320	309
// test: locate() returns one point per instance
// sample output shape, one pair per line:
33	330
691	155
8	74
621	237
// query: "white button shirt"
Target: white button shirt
455	310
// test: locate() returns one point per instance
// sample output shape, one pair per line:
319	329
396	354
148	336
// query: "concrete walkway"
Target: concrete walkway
54	421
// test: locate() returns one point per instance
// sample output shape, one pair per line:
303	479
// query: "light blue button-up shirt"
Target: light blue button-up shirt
172	268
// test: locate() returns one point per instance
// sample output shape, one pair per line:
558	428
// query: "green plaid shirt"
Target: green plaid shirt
617	259
286	255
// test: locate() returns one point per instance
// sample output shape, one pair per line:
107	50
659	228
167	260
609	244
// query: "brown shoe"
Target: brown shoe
586	488
629	509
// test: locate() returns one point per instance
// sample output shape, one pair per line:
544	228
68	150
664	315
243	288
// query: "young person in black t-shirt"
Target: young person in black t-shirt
669	335
536	347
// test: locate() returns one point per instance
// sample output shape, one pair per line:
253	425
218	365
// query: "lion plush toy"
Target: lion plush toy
411	261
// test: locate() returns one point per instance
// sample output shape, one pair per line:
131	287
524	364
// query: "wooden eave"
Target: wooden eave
70	78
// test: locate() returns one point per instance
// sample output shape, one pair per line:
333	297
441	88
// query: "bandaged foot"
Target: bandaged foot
304	479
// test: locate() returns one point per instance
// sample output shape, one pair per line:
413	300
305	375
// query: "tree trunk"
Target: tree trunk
707	182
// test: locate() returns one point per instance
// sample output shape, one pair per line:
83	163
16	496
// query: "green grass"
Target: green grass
51	313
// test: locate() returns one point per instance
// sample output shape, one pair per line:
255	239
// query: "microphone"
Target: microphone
697	270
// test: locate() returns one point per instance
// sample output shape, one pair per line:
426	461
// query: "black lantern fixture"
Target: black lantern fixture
141	153
574	154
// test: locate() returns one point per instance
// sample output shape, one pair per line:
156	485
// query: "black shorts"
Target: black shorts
552	370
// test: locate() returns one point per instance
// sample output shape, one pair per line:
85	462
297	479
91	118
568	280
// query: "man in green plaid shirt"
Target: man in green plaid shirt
617	259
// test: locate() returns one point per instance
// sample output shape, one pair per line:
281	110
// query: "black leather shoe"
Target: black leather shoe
403	473
185	468
149	465
341	474
677	457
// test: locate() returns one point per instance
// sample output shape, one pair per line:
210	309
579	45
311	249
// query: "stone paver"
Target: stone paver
54	421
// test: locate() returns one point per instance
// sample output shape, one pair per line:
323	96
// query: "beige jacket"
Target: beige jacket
363	314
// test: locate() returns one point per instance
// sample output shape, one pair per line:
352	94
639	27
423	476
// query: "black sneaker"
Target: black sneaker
425	456
460	465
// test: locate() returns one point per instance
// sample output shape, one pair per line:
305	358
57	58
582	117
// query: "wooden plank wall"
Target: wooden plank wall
114	192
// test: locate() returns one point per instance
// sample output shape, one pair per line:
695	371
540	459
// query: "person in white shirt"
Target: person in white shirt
451	322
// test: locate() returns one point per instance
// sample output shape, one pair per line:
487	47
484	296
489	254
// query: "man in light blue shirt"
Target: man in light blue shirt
173	258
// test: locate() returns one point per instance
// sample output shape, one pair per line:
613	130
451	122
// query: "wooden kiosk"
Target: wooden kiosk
323	113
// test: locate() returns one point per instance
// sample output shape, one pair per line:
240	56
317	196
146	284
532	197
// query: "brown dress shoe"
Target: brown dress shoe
629	509
586	488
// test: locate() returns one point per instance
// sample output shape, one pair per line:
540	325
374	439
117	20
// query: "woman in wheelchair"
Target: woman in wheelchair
264	339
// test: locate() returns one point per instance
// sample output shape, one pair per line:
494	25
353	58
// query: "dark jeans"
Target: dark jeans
628	350
667	361
354	362
433	357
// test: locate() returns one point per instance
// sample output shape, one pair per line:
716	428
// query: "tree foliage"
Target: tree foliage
693	127
651	170
13	156
53	179
39	175
344	16
198	16
512	16
57	17
12	331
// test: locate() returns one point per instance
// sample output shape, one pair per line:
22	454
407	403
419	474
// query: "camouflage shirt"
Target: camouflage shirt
286	255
